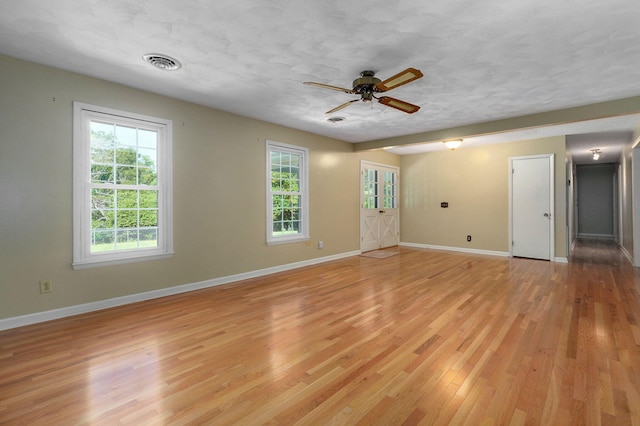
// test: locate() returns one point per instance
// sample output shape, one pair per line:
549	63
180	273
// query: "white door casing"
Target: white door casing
531	201
379	206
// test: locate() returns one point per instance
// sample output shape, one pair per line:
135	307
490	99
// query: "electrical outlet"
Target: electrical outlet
46	286
468	237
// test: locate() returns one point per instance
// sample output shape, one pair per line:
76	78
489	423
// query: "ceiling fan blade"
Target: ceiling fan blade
404	77
339	107
326	86
398	104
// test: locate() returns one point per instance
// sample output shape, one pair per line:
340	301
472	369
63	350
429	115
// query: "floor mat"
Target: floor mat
380	254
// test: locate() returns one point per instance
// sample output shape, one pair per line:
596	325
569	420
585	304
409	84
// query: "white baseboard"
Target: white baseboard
473	251
627	254
458	249
38	317
596	236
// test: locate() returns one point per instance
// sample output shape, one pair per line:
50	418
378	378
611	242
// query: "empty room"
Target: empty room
250	212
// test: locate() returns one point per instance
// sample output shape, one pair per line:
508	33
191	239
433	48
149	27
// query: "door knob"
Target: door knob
547	215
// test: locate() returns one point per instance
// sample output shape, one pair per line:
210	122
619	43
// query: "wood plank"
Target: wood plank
423	337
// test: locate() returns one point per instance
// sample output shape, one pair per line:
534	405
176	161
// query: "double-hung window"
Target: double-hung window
122	186
287	193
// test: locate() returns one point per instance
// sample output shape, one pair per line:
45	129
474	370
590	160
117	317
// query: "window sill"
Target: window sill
96	263
275	242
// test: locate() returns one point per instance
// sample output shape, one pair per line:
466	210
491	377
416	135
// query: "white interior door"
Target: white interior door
379	212
532	221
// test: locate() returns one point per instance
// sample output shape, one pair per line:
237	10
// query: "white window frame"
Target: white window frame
82	257
303	235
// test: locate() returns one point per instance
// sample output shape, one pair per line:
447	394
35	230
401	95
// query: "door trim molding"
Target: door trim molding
552	227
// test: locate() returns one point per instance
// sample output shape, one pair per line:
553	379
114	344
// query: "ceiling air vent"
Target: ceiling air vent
335	119
163	62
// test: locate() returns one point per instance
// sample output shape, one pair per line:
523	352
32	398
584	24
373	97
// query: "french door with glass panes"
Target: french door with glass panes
379	209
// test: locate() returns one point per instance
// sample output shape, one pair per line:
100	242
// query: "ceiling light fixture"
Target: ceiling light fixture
596	153
163	62
453	144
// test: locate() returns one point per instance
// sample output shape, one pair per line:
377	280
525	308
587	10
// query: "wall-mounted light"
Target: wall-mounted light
453	144
596	153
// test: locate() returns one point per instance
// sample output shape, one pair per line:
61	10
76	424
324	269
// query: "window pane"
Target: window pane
148	157
102	219
103	241
126	156
147	176
148	236
275	158
102	136
102	154
127	239
389	189
126	175
276	182
101	173
148	218
127	199
102	198
278	207
126	219
127	136
148	199
147	139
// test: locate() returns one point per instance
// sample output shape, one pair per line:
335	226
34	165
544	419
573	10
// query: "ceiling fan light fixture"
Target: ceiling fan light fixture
453	144
368	84
163	62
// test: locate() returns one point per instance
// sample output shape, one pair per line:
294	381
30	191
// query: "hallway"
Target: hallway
598	251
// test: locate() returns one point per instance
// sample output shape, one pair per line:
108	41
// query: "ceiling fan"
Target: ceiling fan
367	85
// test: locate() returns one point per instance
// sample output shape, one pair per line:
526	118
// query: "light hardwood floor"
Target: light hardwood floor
423	337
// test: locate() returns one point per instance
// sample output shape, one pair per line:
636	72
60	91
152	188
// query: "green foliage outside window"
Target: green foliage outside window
119	214
286	207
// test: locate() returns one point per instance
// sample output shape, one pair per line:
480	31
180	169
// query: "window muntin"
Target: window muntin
387	181
370	189
122	186
287	193
390	185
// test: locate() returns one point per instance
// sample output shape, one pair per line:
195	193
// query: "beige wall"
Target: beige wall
219	193
475	183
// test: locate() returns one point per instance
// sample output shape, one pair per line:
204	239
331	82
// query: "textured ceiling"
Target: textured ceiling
482	60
